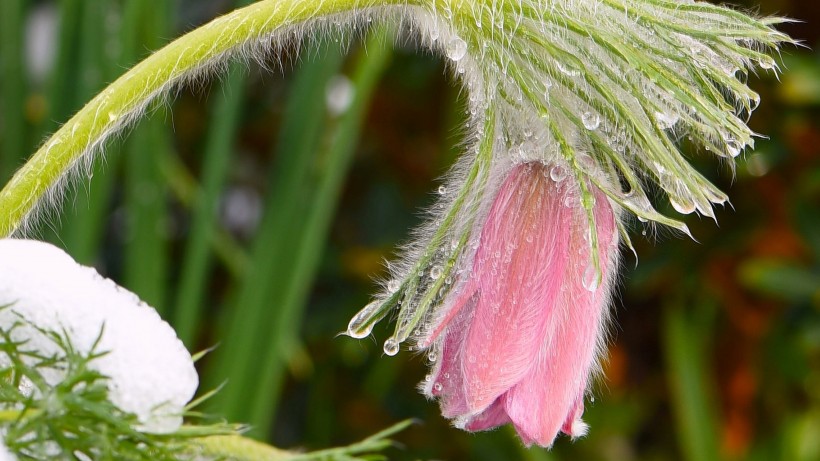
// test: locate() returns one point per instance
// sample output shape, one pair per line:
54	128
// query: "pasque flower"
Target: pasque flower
519	334
576	109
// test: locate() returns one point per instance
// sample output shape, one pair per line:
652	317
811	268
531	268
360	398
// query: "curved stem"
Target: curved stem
124	100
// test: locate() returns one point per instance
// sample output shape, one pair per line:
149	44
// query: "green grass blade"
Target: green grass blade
82	231
253	312
687	370
197	260
146	254
186	190
332	165
12	87
62	97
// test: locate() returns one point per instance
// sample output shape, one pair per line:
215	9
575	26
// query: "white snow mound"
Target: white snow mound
151	373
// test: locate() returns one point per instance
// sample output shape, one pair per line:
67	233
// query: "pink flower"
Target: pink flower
521	332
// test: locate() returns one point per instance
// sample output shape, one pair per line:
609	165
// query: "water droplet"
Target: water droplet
558	173
437	387
591	278
432	356
733	146
766	64
393	286
591	120
360	325
442	190
681	204
391	346
456	49
435	272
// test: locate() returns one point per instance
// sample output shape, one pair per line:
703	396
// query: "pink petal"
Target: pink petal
519	269
492	417
549	398
447	382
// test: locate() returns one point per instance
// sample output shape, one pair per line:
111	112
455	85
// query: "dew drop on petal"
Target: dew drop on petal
437	387
558	173
358	327
456	49
591	279
591	120
391	346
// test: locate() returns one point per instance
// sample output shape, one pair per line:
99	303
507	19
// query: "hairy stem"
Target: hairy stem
126	99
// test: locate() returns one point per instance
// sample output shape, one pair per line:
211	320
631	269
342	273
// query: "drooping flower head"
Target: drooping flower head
517	339
600	92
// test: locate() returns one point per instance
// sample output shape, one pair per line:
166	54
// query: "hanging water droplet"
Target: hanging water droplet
442	190
681	204
391	346
432	356
591	278
435	272
558	173
591	120
360	325
733	146
766	64
456	49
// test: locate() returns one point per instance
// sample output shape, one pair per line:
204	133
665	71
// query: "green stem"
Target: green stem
125	99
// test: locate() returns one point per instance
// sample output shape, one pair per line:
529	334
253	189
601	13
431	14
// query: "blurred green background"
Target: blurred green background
254	211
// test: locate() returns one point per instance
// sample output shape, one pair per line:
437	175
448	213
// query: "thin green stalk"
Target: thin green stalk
333	162
186	190
197	260
82	231
146	254
12	86
254	312
687	369
62	81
